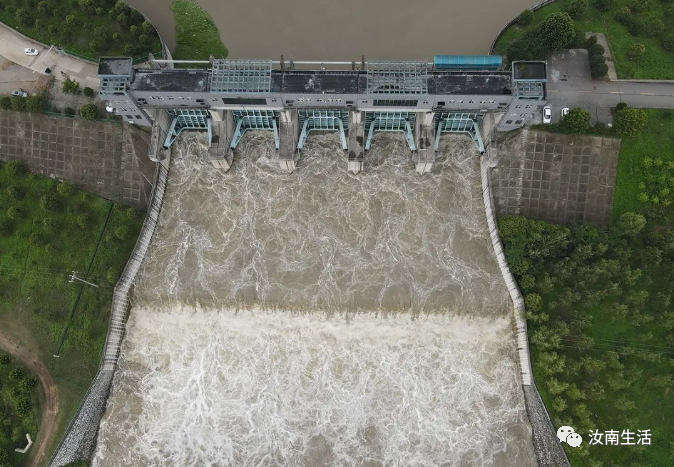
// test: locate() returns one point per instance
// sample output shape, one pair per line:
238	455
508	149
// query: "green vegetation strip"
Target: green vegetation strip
197	36
645	23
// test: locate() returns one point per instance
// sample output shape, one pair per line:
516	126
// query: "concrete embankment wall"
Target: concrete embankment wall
79	441
548	449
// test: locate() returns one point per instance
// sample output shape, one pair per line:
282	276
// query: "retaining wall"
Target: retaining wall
79	441
549	451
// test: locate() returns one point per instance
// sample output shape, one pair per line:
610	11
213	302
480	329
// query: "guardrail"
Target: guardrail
120	306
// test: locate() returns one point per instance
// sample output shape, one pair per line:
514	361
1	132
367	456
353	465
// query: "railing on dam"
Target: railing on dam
79	439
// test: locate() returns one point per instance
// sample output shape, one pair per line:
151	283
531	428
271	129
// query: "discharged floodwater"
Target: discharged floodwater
319	318
347	29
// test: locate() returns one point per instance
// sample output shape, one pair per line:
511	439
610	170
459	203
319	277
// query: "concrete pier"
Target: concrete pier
289	132
356	141
425	132
220	155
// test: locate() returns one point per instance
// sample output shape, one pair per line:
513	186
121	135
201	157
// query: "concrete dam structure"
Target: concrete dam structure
301	300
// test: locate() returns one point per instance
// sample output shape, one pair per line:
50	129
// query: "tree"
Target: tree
668	42
14	168
655	27
603	5
70	86
49	203
15	191
630	122
636	51
90	112
43	7
638	5
598	70
577	121
37	103
6	103
14	213
95	45
88	92
23	17
149	29
557	31
533	302
525	18
4	459
577	8
623	15
5	227
631	224
18	103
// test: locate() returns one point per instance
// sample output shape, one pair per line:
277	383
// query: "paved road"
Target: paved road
12	45
570	85
50	410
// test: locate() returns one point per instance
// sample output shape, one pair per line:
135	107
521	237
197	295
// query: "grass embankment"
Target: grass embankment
656	63
18	409
47	230
90	28
600	309
197	36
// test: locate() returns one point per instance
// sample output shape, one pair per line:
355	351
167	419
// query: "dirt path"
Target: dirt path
49	394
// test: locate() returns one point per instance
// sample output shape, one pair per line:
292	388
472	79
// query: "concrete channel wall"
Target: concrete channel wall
549	450
79	441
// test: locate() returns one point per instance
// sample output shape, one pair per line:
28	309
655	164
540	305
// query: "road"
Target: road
49	394
570	85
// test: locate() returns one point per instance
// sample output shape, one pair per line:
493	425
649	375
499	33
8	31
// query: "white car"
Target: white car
31	51
547	114
109	108
19	93
565	112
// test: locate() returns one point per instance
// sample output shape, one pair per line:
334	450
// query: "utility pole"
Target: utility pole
74	278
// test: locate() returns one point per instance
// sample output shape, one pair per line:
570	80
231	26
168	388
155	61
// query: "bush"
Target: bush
577	121
623	15
596	49
630	122
668	42
5	227
95	45
603	5
6	103
557	31
15	192
638	5
49	203
35	239
525	18
123	233
14	213
70	86
590	41
23	17
14	168
631	224
69	111
635	27
113	274
577	8
65	188
636	51
18	103
90	112
620	106
16	374
48	224
5	359
596	60
599	70
82	221
655	27
88	92
36	103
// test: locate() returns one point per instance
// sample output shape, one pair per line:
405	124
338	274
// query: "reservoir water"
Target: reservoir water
319	318
347	29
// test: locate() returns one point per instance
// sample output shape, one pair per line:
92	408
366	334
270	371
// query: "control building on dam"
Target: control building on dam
422	100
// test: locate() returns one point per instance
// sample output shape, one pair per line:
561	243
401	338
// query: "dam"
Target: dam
319	284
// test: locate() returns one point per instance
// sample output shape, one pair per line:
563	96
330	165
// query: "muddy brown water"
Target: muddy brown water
347	29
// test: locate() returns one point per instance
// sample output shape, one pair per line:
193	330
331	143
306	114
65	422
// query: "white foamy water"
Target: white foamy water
427	379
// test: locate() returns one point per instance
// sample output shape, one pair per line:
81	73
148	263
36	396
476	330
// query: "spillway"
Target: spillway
319	318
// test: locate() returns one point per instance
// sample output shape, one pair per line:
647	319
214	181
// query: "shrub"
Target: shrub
70	86
18	103
36	103
596	49
23	17
113	274
557	31
65	188
82	221
95	45
14	213
590	41
5	359
599	70
52	29
577	121
577	8
6	103
620	106
69	111
634	27
630	122
636	51
631	224
655	27
597	59
90	112
123	233
525	18
116	37
638	5
14	168
15	192
668	42
35	239
48	224
623	15
43	7
49	203
603	5
88	92
5	227
131	213
16	374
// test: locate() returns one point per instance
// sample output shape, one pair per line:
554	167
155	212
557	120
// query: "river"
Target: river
347	29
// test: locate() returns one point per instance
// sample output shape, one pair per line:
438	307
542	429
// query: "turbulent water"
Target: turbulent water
319	318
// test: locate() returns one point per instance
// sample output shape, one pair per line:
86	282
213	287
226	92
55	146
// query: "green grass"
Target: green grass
656	141
36	298
51	27
13	427
657	63
197	37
